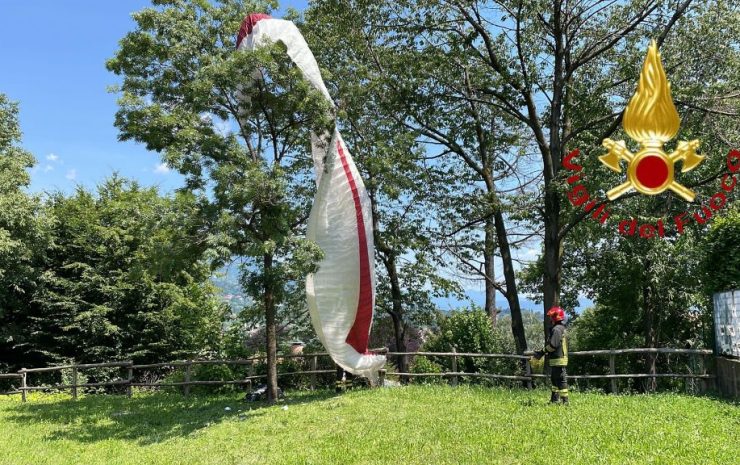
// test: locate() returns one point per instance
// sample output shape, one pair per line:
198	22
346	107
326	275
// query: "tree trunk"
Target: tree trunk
388	257
270	330
396	312
399	330
489	251
551	158
553	257
512	294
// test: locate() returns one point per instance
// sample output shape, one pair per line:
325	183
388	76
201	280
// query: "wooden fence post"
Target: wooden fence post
381	377
186	387
74	382
528	373
689	384
314	367
130	379
23	384
250	373
702	371
454	367
613	371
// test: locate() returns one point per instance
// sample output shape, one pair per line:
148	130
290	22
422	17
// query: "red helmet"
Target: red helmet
556	314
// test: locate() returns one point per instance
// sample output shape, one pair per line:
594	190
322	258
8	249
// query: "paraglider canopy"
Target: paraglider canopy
248	24
341	294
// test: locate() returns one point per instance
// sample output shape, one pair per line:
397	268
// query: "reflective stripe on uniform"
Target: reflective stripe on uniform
562	361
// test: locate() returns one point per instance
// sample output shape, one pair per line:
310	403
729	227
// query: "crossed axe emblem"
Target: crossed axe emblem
651	170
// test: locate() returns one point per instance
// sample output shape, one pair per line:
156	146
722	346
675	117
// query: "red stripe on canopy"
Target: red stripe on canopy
248	24
360	332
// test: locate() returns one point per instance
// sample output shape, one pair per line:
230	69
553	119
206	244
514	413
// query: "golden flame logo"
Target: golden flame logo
652	120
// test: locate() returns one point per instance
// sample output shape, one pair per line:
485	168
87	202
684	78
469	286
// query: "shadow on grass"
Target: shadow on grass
147	418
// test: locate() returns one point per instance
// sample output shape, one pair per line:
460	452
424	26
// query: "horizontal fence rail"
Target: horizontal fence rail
527	376
10	376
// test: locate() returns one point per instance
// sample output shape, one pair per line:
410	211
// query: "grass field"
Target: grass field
410	425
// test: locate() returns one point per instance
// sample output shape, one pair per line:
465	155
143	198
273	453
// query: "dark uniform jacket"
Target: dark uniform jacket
557	346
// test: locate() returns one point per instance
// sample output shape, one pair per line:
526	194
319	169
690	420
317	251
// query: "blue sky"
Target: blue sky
52	56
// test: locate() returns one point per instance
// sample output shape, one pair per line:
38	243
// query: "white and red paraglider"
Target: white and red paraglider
341	294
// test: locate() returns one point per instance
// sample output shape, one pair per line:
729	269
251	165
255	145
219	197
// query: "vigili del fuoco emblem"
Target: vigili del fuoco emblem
651	120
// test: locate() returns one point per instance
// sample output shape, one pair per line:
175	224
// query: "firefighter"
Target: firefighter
556	349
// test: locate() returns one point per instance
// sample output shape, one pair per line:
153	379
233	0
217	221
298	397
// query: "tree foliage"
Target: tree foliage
459	113
470	331
24	235
720	261
122	276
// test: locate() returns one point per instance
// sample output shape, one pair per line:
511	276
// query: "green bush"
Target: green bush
424	365
296	364
721	262
292	365
67	378
206	373
470	330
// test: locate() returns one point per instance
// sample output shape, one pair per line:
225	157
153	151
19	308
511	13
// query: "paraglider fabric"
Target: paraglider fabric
341	294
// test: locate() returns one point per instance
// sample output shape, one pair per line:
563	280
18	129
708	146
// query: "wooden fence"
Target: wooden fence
697	355
129	380
10	376
527	377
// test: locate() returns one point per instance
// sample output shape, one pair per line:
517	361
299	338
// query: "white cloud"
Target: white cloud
52	157
48	168
71	174
162	168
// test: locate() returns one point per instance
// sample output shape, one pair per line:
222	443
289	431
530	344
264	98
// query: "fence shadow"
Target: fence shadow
145	419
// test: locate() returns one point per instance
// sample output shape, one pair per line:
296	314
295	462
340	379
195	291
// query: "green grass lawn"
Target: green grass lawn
410	425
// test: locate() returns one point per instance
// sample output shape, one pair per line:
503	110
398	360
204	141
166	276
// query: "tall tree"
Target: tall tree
188	95
537	49
653	286
24	235
123	276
